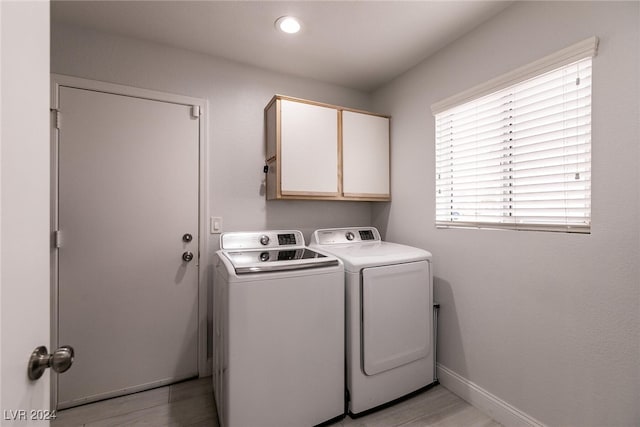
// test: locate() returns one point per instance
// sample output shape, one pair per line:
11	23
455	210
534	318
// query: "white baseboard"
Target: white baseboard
493	406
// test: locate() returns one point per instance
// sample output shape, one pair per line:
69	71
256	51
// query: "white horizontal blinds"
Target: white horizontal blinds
519	157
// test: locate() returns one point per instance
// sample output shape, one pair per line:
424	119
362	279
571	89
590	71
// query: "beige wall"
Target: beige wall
547	322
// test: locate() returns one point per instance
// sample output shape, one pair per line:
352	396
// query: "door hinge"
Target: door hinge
195	111
58	118
57	239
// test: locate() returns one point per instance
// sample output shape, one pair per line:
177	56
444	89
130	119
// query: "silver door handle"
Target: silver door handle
187	256
60	361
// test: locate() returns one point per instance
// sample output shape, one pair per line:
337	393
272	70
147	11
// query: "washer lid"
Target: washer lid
252	261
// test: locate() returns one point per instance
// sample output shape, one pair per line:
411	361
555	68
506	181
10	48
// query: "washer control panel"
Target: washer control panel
261	239
333	236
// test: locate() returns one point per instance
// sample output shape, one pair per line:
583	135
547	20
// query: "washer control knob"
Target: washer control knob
264	256
264	240
350	236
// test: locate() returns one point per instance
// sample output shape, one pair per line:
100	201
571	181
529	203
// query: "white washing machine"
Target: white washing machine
278	331
389	315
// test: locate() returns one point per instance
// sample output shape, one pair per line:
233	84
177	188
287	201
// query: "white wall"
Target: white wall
548	322
237	95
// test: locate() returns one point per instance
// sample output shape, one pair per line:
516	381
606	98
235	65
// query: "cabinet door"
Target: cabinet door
308	149
365	155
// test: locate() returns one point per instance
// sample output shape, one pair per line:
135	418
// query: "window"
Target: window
518	155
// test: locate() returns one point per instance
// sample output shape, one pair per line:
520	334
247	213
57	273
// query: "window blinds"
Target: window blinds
519	157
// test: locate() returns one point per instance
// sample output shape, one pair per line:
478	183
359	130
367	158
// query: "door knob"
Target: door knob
187	256
60	361
187	238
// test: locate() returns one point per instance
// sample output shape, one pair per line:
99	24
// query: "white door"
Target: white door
127	203
24	206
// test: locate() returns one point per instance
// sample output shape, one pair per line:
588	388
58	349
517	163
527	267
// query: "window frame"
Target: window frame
567	56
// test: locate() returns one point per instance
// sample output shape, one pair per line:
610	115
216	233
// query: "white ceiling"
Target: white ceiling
356	44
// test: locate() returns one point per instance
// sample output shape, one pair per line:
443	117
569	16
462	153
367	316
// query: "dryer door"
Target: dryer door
396	315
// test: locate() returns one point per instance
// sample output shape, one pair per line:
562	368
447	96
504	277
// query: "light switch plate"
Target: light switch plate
216	224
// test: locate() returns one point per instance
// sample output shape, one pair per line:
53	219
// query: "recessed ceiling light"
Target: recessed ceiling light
288	24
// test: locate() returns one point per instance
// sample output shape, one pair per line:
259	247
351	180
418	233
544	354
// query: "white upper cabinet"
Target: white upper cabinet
365	155
319	151
308	149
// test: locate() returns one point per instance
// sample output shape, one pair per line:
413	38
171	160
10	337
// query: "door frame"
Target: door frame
59	80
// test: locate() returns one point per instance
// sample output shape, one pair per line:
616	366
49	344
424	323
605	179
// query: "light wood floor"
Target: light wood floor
190	403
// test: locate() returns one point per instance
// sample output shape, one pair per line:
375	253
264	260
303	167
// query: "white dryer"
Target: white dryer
389	315
278	331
